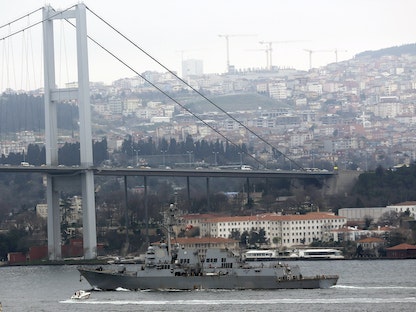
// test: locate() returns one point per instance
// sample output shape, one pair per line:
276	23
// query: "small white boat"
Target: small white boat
80	295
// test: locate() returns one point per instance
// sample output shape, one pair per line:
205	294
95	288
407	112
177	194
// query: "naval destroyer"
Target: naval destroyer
170	266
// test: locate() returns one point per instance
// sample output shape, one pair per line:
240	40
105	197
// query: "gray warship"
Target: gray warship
169	266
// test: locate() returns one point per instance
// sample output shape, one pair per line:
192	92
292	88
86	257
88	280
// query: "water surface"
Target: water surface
373	285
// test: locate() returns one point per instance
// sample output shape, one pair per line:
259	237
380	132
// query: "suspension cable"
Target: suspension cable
18	19
33	25
10	58
166	94
196	91
152	84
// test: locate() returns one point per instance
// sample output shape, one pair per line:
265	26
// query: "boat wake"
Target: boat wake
122	289
188	290
373	287
250	301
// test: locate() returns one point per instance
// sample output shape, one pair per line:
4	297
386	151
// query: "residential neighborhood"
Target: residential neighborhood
354	114
212	155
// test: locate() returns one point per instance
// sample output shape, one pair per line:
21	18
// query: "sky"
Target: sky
175	30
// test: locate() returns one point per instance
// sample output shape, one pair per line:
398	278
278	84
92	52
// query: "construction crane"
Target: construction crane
270	49
228	46
336	54
314	51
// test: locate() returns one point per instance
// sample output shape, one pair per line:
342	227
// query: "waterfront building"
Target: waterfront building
280	230
402	251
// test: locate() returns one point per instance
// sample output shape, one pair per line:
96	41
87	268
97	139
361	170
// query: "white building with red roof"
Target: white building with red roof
280	230
198	220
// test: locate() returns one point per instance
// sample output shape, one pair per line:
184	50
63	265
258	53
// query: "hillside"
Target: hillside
234	102
381	188
397	51
22	112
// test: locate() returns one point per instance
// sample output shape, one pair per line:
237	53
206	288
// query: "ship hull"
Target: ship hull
110	280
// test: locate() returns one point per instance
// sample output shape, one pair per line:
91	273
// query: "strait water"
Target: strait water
373	285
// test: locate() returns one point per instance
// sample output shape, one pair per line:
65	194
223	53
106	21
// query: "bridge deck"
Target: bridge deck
59	170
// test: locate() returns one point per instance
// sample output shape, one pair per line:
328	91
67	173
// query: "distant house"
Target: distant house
347	234
371	242
402	251
16	257
355	234
369	246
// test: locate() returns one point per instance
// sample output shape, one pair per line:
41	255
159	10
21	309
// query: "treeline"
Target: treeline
68	154
382	187
23	112
397	50
14	240
200	151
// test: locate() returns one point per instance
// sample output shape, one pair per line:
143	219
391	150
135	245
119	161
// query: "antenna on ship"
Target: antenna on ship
170	226
169	220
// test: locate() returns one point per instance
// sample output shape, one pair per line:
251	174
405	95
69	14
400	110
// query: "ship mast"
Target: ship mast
169	221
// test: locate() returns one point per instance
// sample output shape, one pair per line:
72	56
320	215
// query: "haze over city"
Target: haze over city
179	30
213	183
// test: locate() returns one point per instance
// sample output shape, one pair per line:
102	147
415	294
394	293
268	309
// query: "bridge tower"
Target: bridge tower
55	183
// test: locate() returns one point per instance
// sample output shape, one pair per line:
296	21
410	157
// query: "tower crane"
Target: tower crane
310	55
336	54
227	36
270	49
336	51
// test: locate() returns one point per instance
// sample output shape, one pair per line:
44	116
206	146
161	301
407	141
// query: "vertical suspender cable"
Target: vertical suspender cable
11	60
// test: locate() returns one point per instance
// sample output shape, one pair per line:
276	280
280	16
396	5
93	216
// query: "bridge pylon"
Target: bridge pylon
85	180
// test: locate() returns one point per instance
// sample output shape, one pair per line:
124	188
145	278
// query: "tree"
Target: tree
276	240
189	144
219	202
396	237
100	151
367	222
359	251
235	235
244	240
257	238
13	241
389	218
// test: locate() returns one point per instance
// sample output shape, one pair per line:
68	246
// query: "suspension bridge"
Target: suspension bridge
59	178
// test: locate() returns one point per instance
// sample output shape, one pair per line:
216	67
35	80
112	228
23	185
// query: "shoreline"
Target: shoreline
57	262
106	261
